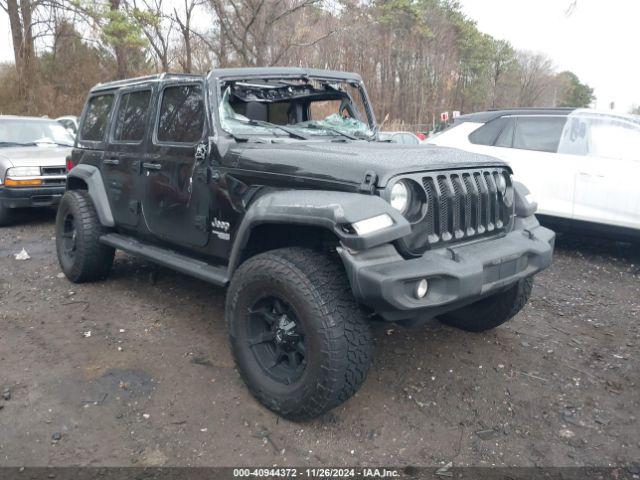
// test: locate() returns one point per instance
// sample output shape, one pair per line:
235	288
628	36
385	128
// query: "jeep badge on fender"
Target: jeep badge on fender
274	183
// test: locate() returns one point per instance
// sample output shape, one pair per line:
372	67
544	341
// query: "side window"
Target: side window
181	114
131	116
488	133
95	120
538	133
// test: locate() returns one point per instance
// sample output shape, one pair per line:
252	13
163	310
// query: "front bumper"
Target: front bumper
458	275
27	197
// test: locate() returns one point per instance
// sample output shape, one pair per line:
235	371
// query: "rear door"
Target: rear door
176	200
124	154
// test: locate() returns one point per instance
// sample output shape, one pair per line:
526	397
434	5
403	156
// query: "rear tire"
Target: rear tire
300	341
78	229
492	311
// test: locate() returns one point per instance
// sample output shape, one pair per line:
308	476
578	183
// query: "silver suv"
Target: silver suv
32	163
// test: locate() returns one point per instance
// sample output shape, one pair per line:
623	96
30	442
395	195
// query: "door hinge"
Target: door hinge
201	152
201	222
368	182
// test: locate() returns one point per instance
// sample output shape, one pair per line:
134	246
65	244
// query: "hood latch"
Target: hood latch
368	182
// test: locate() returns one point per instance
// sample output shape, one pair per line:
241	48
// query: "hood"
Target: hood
46	156
348	162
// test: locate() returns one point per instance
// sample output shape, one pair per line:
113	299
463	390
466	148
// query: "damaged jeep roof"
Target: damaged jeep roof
280	72
237	74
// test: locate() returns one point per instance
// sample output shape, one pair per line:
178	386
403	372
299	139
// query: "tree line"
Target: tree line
417	57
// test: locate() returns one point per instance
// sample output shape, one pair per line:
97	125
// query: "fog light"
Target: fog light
421	288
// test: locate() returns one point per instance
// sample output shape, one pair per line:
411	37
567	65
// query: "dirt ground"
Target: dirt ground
127	372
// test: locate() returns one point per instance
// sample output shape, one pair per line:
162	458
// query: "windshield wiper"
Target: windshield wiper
292	133
319	126
19	144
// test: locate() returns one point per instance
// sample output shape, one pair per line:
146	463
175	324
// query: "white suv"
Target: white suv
581	166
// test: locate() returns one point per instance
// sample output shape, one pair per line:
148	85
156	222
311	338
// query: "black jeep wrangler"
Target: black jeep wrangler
273	182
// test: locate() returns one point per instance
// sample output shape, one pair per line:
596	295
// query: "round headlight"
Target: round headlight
400	197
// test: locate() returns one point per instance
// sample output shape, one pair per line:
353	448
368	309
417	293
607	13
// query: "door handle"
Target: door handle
151	166
111	161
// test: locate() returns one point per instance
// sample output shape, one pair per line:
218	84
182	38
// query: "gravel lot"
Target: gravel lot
132	372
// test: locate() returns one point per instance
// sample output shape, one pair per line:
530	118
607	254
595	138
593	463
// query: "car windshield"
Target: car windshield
601	135
298	108
17	132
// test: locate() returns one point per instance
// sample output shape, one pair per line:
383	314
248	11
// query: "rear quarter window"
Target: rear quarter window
489	132
95	120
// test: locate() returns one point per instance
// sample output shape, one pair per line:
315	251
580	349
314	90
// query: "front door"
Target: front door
121	164
176	200
529	143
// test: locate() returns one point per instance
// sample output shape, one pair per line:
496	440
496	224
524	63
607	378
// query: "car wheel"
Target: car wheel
492	311
299	339
80	254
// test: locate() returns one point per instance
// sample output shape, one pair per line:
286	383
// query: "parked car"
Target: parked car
272	182
400	137
70	122
32	163
581	165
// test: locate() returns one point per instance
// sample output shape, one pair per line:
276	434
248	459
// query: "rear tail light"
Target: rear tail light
70	164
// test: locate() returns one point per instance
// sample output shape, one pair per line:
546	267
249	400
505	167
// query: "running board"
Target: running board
168	258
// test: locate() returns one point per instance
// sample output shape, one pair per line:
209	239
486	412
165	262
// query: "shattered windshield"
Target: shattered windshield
298	108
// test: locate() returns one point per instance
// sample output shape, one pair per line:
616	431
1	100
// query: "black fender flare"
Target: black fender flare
523	206
92	178
326	209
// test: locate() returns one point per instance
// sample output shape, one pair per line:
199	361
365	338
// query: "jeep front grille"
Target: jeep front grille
462	204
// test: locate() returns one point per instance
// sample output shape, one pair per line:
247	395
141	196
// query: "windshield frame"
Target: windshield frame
215	86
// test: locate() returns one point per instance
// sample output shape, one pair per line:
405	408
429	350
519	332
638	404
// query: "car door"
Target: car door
606	181
124	154
536	162
176	201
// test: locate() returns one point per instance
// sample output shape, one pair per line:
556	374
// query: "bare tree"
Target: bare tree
157	27
535	74
184	19
261	32
21	20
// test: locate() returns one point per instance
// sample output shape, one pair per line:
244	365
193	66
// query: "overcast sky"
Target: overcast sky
598	41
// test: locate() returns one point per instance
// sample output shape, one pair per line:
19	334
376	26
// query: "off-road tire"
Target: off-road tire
6	216
91	259
492	311
339	342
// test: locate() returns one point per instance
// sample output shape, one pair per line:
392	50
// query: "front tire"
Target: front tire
300	341
492	311
78	229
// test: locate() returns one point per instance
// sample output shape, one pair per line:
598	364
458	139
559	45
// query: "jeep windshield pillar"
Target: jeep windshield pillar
274	184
